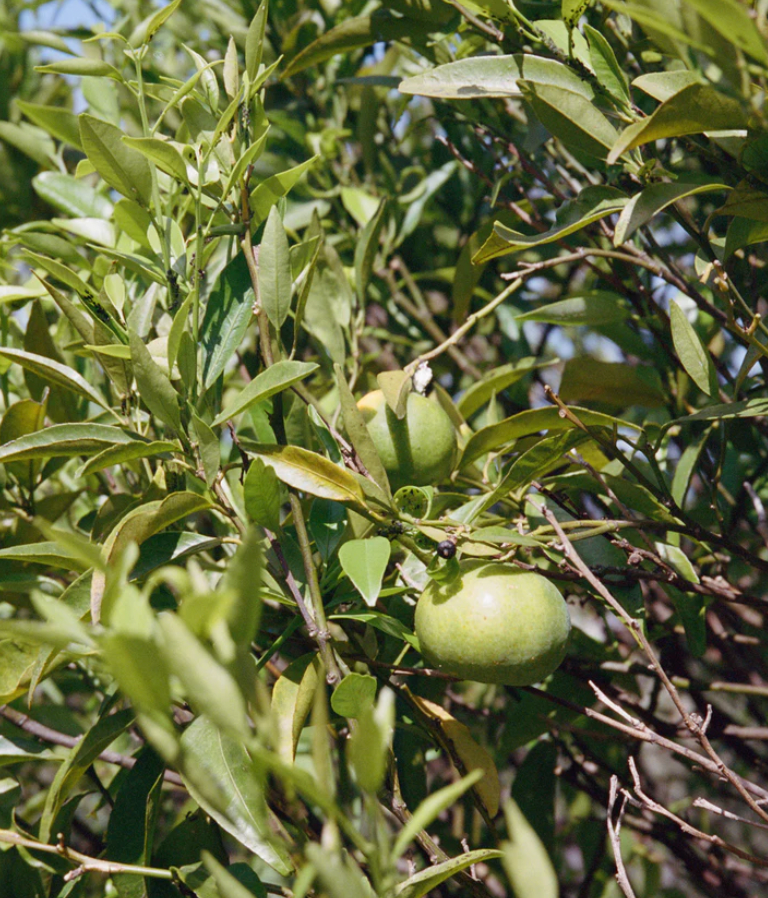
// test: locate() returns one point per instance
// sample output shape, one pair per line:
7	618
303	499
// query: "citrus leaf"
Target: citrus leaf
365	562
503	434
690	350
119	455
121	167
64	441
525	859
263	495
309	472
224	781
292	698
692	110
275	282
592	204
428	879
275	379
227	315
54	373
353	693
652	200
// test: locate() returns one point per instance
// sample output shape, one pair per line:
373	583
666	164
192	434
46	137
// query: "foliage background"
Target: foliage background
574	238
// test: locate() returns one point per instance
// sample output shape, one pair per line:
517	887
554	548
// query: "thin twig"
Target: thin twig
54	737
614	834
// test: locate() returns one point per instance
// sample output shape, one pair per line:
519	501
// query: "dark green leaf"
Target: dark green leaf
227	315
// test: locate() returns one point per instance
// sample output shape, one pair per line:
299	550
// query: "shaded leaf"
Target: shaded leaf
592	204
690	350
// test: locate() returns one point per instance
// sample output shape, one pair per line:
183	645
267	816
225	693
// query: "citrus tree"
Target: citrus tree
338	343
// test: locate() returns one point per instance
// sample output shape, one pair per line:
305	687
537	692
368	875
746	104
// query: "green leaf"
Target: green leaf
662	85
230	886
142	674
222	766
428	879
605	65
79	758
365	562
58	122
467	79
431	808
209	447
503	434
690	350
254	41
31	141
571	117
85	65
136	526
64	441
268	192
652	200
146	30
618	384
593	308
358	434
497	380
731	19
165	156
366	248
327	523
132	821
309	472
121	167
749	408
227	315
154	386
263	495
119	455
275	281
208	685
168	548
592	204
47	553
693	109
275	379
525	859
351	34
54	373
292	698
355	692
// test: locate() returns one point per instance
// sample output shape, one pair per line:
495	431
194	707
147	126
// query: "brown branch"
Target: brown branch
54	737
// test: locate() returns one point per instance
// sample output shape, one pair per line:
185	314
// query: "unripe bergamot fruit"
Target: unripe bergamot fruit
418	450
494	624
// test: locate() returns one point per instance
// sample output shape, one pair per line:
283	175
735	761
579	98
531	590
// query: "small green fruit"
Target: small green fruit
418	450
494	624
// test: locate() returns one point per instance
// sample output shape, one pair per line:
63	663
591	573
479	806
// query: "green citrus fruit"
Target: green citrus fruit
494	624
418	450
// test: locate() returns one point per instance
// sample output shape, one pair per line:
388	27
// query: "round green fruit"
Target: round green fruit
418	450
494	624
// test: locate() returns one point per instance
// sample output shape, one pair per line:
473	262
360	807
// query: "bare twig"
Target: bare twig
54	737
614	834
